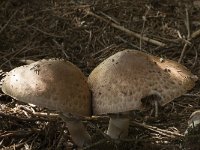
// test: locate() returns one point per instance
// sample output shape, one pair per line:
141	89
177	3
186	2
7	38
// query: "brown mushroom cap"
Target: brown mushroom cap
120	82
54	84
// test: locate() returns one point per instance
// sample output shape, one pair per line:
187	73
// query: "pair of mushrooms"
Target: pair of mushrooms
118	85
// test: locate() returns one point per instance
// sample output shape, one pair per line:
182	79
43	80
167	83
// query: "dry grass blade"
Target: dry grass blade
159	131
127	31
3	28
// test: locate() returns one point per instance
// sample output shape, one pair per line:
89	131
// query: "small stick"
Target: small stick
39	114
127	42
195	59
158	130
14	54
95	144
109	17
46	33
187	23
60	139
19	133
18	146
144	18
3	28
61	47
195	34
192	95
104	49
188	36
129	32
183	52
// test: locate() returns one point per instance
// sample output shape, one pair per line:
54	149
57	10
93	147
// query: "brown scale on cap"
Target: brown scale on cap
54	84
120	82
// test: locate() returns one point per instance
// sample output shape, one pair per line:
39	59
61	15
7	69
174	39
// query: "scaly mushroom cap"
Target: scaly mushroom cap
120	82
54	84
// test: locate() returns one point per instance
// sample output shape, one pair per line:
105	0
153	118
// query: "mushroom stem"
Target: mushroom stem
118	127
78	132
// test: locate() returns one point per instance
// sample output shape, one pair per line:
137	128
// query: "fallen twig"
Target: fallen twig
183	52
46	33
127	31
19	133
95	144
188	36
159	131
144	18
3	28
61	47
195	34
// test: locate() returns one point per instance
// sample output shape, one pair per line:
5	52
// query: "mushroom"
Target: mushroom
193	121
57	85
121	81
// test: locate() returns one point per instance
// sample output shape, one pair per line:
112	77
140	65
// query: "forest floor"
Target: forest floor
86	32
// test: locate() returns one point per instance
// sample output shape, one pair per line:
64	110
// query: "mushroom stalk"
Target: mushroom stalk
78	132
118	127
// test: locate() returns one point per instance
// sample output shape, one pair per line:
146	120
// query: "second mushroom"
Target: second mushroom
121	81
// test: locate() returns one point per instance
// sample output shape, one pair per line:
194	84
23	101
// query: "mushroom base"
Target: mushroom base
118	127
78	132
